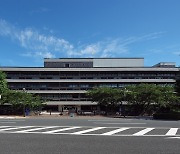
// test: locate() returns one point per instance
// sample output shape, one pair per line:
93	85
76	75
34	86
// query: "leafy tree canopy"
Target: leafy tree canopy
177	86
105	96
3	87
3	83
19	99
145	95
142	95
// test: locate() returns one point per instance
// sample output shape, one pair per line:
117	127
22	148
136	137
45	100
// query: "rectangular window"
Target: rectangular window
66	65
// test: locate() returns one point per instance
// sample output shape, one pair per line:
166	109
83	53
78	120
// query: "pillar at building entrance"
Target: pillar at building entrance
60	108
78	108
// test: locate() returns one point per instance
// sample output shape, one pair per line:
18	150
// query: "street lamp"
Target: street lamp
0	98
122	108
24	114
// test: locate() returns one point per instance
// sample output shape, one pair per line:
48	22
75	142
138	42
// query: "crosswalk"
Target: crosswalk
88	130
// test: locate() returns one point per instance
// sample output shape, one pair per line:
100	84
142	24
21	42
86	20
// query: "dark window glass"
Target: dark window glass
66	65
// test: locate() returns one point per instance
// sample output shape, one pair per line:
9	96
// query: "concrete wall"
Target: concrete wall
119	62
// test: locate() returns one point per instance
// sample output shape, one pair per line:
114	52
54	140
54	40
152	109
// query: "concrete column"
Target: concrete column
98	108
78	108
60	108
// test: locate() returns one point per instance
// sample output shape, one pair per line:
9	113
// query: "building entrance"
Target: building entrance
70	109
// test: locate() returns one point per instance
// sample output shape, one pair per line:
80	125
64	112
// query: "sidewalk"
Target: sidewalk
57	115
11	117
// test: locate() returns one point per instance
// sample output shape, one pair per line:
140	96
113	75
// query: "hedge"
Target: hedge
167	116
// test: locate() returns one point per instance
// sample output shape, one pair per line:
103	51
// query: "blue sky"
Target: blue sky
31	30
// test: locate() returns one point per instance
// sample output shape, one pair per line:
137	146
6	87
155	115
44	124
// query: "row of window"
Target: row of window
158	77
20	86
64	97
92	74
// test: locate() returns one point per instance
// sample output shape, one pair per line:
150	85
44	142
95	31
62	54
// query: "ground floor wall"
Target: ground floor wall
129	110
71	108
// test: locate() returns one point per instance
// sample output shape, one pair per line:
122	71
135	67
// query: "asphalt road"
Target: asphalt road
88	136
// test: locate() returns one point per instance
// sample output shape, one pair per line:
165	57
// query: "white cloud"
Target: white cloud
177	53
38	44
106	48
39	54
48	46
5	28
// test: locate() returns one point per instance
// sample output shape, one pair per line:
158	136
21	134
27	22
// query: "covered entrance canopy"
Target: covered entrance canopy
71	103
74	106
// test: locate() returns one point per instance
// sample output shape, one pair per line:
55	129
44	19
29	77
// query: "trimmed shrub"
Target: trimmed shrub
167	116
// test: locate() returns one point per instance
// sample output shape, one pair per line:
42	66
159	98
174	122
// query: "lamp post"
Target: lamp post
24	114
122	107
0	98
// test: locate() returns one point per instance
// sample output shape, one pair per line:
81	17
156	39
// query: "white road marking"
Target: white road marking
10	120
172	131
34	129
120	123
5	122
60	130
88	130
7	117
144	131
112	120
173	137
115	135
4	126
15	128
115	131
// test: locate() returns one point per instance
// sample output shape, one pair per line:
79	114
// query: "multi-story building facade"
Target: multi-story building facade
64	82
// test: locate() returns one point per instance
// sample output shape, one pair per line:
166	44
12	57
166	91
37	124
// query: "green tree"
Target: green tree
141	95
148	97
107	97
177	85
3	82
18	99
3	87
23	100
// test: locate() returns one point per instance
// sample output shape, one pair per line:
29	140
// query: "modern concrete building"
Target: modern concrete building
63	82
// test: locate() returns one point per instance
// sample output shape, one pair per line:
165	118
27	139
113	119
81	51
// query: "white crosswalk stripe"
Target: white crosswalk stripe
115	131
88	130
4	126
5	129
60	130
143	132
34	129
172	131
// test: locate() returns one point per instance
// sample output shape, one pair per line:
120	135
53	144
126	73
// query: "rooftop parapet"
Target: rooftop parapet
93	62
165	64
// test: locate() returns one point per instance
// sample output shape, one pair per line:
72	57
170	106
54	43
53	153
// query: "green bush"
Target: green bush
167	116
